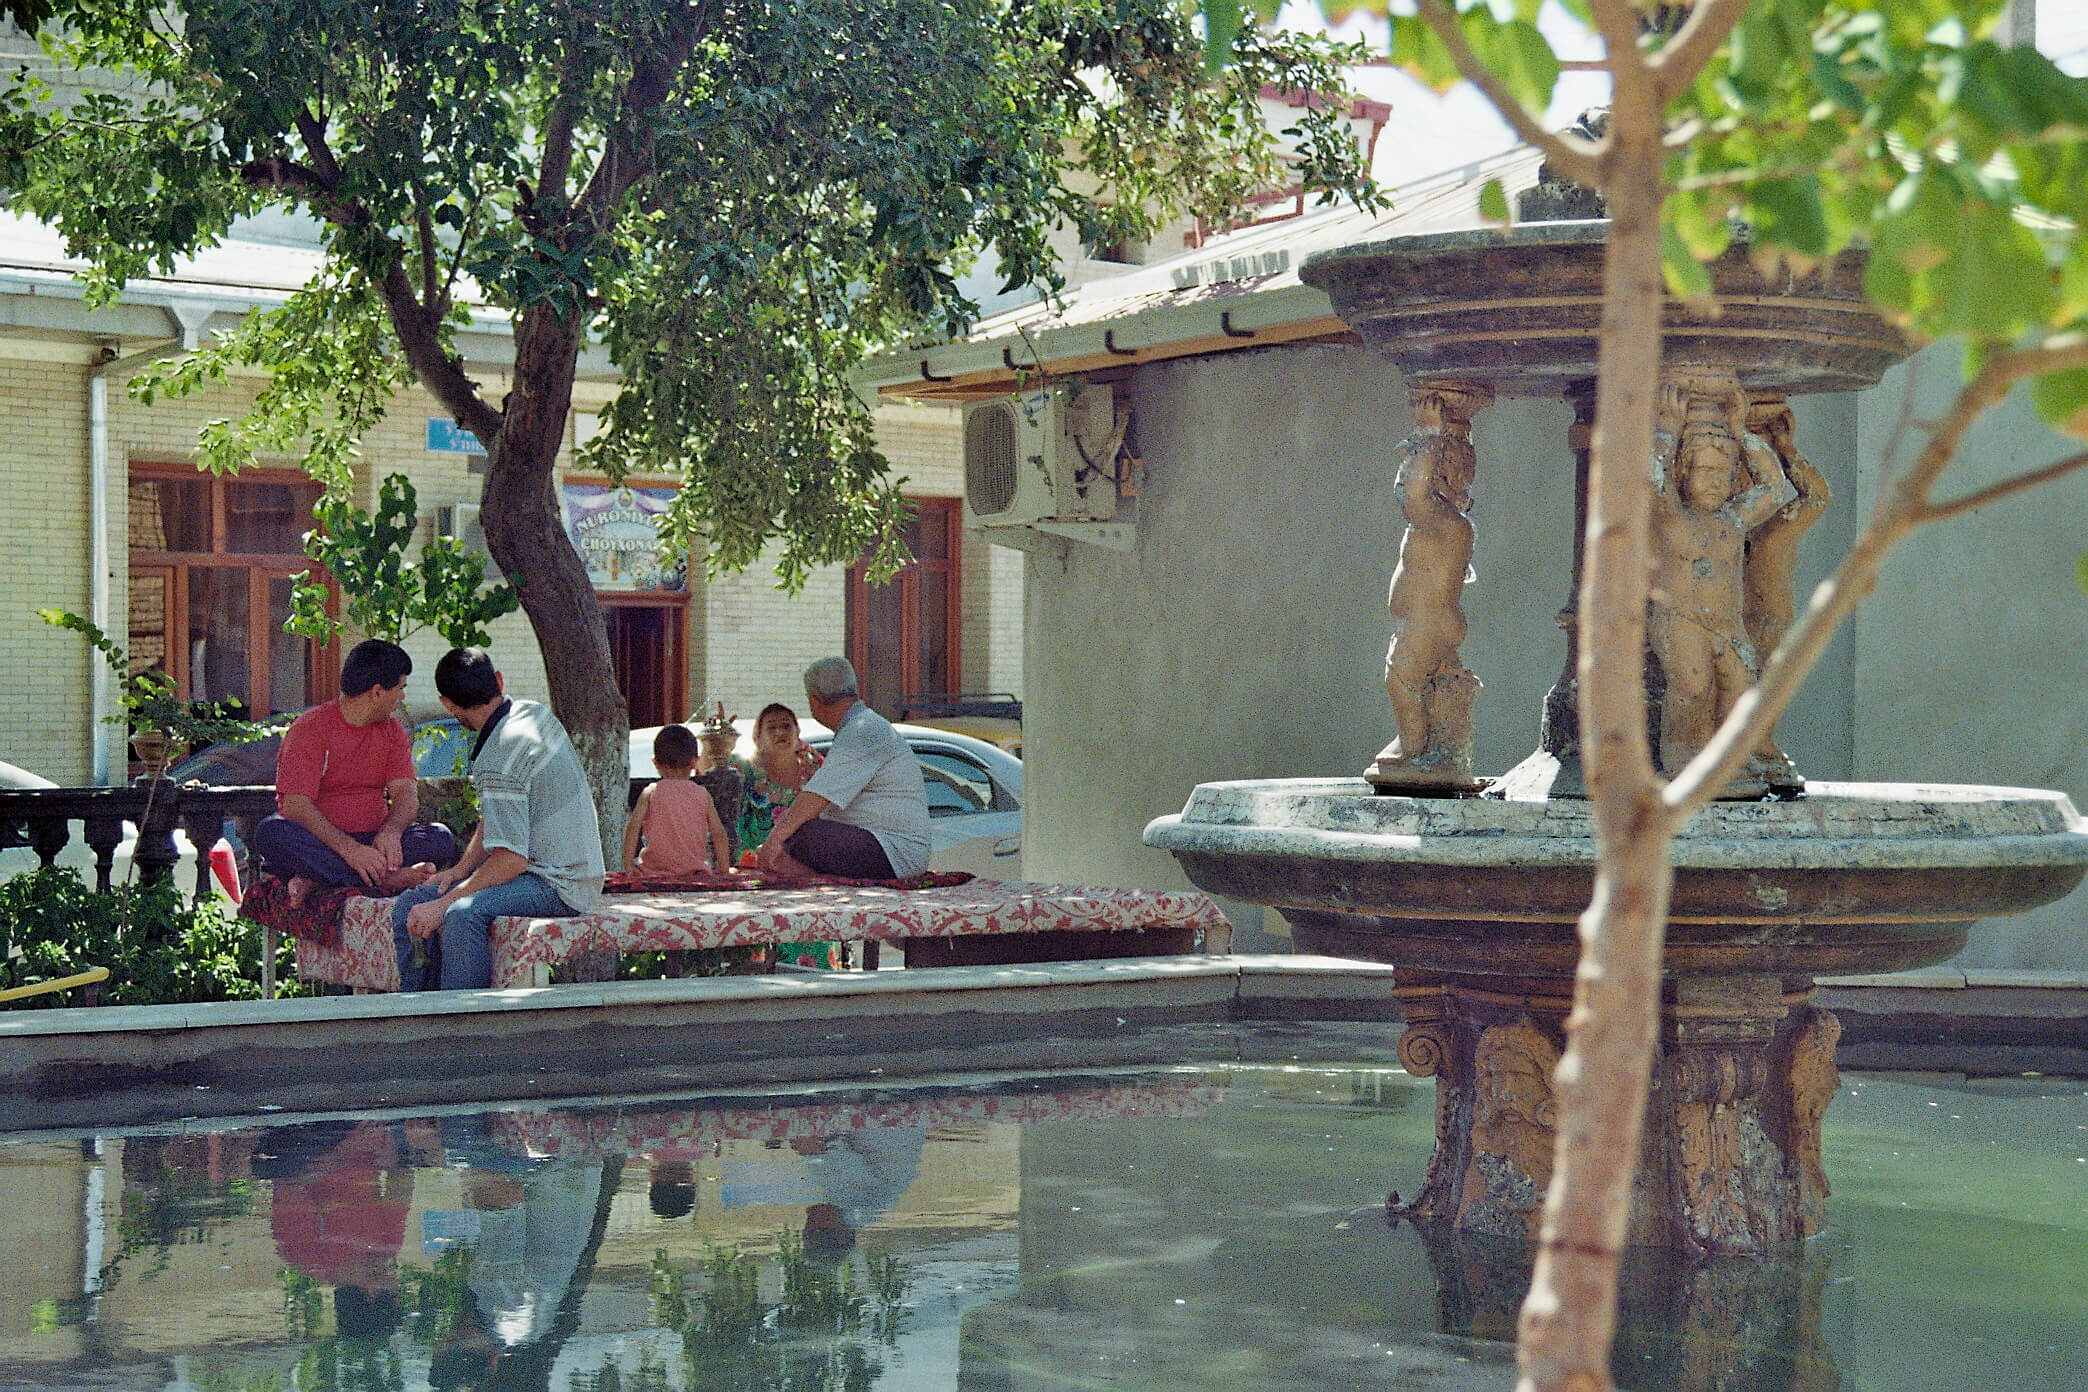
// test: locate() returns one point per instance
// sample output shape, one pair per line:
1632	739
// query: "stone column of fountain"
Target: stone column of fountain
1475	898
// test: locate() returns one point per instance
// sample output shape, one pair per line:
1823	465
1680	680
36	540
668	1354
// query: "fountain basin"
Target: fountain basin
1520	309
1853	877
1475	902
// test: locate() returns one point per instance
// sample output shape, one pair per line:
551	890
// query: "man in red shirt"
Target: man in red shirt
346	793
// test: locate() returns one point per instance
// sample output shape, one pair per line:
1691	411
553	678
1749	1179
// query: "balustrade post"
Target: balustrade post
103	835
155	854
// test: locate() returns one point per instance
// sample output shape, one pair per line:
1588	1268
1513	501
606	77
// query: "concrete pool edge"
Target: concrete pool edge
116	1066
119	1066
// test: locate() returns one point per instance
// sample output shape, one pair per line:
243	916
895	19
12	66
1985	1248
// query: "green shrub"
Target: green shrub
159	949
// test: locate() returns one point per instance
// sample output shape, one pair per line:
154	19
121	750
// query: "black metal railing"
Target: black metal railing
43	820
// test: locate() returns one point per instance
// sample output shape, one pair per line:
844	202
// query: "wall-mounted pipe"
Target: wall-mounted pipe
101	690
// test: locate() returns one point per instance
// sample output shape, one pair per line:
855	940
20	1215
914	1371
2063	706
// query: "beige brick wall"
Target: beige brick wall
750	642
44	671
757	640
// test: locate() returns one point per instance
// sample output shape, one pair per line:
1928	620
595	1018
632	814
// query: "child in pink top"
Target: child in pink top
675	817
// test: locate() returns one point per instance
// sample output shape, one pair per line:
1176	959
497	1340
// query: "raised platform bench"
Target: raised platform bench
980	923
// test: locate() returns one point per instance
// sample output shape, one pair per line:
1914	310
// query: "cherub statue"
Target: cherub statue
1702	514
1430	689
1772	560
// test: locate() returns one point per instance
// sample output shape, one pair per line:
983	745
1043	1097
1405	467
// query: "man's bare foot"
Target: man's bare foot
299	887
406	877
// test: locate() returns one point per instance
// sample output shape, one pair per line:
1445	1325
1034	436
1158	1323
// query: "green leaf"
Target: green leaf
1493	202
1416	49
1688	279
2072	292
1518	54
1788	213
1995	284
2061	399
1700	223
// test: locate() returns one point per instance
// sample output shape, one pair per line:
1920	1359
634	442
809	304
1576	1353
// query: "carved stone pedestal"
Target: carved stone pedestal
1731	1157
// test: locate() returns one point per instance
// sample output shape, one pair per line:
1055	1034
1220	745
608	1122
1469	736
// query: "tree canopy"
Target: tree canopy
736	198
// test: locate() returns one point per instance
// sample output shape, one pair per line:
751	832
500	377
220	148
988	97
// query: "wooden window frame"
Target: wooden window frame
908	578
175	568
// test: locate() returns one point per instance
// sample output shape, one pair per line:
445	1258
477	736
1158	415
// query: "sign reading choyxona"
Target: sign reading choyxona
617	533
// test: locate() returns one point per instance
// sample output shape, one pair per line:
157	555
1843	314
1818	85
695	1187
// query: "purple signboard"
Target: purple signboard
616	530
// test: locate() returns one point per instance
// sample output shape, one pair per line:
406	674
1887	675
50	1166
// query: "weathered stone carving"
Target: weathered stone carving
1431	691
1424	1046
1513	1122
1772	561
1812	1080
1703	510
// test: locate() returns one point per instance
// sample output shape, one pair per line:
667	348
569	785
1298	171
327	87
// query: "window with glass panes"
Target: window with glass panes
211	561
903	634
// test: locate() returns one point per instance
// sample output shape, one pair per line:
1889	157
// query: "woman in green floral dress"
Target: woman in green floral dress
781	764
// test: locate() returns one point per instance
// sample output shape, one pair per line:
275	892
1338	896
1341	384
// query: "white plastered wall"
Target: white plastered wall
1244	637
1971	658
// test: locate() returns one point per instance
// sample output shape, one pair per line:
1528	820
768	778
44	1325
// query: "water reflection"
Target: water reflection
1222	1228
1709	1325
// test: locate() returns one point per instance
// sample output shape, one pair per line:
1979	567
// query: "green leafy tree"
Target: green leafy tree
390	596
735	197
1906	126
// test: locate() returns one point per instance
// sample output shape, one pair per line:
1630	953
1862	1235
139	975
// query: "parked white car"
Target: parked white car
974	792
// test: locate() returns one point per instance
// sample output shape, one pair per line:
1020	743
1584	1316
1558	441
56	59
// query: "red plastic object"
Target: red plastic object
225	868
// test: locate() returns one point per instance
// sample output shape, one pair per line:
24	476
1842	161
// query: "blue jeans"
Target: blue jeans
467	960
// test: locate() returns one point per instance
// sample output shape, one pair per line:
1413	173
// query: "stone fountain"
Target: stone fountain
1472	885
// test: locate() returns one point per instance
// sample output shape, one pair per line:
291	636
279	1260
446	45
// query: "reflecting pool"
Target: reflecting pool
1215	1226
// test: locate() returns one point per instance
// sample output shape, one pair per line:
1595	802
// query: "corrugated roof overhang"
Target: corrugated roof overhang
1248	314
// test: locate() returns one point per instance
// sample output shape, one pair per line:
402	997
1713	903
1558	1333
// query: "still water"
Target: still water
1201	1227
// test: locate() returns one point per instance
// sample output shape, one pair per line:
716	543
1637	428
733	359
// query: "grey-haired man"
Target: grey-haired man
864	813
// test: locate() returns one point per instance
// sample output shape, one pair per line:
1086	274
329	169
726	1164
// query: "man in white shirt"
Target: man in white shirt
864	814
537	852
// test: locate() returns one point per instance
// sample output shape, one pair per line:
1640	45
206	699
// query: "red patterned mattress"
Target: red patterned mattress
363	954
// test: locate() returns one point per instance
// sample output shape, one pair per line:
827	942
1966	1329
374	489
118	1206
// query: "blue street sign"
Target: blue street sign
445	436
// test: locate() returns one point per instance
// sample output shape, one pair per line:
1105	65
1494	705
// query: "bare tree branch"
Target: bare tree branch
317	150
456	261
1570	156
1619	22
419	329
1683	57
627	154
558	133
1994	493
424	229
1569	1316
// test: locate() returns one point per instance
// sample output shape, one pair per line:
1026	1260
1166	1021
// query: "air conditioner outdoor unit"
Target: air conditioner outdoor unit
461	521
454	519
1042	456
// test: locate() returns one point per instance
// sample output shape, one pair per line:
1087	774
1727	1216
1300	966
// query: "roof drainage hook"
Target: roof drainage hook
1225	323
927	376
1109	342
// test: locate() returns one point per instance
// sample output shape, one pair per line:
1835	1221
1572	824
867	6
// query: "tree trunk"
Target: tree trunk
1569	1319
525	533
